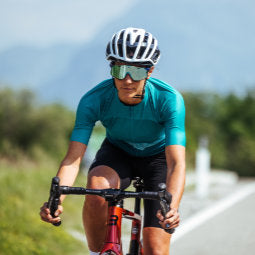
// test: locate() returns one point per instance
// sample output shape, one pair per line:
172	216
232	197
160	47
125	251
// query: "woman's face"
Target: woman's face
128	88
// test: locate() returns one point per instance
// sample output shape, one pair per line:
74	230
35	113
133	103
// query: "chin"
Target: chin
127	95
127	99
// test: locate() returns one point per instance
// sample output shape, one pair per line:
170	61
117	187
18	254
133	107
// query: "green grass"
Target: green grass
24	187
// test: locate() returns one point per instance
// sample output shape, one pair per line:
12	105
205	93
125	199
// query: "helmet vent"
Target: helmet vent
145	39
120	44
130	51
108	50
151	48
113	44
137	39
128	39
149	52
155	55
120	51
141	52
121	35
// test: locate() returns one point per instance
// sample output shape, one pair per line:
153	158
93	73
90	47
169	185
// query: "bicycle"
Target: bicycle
116	211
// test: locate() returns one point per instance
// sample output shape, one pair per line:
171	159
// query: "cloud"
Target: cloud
51	21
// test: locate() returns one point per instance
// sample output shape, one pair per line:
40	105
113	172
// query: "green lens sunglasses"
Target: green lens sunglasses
136	73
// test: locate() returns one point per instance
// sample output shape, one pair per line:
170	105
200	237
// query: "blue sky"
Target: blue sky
47	22
205	44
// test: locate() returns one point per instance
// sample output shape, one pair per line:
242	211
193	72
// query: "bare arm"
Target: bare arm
175	181
67	173
70	166
175	156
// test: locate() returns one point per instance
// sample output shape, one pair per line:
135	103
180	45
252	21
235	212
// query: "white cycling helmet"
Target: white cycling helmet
133	45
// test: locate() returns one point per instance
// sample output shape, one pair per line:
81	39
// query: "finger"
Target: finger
42	208
172	222
52	220
161	223
48	218
59	210
45	216
174	226
43	219
45	208
171	213
160	216
45	205
170	225
44	212
55	220
173	219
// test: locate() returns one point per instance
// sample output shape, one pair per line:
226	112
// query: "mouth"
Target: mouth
127	89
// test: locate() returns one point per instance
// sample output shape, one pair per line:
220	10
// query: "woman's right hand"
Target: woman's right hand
46	216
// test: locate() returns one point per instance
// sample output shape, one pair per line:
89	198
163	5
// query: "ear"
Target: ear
150	72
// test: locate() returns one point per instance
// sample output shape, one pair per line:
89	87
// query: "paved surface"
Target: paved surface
231	231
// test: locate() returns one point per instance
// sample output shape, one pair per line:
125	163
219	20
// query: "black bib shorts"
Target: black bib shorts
152	169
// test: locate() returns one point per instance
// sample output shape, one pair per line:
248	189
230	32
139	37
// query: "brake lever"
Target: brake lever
54	199
165	202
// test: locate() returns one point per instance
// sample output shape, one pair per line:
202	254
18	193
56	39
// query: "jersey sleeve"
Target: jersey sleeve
86	117
173	111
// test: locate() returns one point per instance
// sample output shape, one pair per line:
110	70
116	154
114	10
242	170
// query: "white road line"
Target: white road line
206	214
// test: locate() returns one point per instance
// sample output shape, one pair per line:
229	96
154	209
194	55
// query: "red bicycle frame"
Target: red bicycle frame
113	236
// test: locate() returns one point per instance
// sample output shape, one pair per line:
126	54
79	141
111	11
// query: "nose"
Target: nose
128	79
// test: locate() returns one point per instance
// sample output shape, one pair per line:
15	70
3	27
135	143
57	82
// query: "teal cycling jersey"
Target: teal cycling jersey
143	129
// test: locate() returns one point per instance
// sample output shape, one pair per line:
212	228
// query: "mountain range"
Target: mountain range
205	46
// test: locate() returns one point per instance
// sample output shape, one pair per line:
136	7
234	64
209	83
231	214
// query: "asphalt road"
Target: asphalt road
231	231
